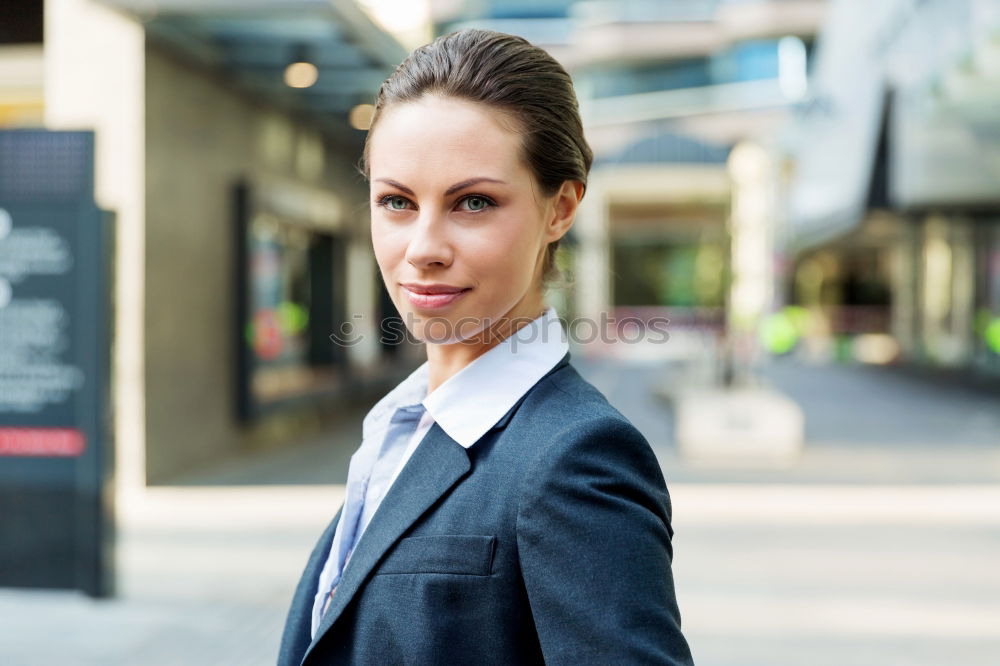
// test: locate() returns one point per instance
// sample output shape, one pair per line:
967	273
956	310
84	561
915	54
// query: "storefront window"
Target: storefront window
669	274
291	277
987	315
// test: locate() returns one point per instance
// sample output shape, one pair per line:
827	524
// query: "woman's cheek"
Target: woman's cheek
505	242
389	248
482	254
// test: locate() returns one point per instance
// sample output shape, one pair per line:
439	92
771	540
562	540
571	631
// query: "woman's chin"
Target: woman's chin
443	329
438	330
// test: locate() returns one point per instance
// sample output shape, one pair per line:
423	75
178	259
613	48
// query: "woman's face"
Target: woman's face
456	211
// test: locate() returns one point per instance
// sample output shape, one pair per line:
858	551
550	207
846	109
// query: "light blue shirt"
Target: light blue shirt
466	406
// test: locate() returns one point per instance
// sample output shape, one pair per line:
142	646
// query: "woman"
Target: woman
499	510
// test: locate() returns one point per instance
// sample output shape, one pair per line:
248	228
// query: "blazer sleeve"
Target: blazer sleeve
594	542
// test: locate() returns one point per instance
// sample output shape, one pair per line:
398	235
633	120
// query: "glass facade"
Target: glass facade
751	60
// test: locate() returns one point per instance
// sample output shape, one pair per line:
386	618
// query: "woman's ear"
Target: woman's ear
565	203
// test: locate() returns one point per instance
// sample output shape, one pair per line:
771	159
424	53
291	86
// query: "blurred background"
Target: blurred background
808	190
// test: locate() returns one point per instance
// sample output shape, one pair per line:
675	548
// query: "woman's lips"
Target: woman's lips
432	301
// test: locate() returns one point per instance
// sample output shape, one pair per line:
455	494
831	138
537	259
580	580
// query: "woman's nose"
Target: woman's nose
428	244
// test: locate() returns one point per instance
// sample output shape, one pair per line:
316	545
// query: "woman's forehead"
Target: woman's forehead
444	136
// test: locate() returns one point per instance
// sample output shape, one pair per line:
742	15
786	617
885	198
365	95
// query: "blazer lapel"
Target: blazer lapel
437	463
296	636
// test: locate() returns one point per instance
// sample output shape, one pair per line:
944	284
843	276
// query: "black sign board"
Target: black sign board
55	447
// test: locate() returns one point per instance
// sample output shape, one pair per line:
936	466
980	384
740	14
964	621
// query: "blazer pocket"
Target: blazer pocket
467	554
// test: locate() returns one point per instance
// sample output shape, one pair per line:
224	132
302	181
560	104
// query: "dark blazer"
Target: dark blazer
547	541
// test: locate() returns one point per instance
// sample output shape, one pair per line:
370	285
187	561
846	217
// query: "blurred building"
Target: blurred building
894	205
225	149
21	64
667	88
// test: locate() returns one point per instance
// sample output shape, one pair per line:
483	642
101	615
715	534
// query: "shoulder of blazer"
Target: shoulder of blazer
570	419
574	398
562	395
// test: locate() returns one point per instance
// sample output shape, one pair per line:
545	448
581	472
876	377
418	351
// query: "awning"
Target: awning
251	42
836	138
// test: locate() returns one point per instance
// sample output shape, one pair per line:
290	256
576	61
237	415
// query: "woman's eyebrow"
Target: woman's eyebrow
397	185
469	183
451	190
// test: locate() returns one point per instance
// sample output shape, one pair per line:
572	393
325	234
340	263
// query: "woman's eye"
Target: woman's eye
394	202
476	203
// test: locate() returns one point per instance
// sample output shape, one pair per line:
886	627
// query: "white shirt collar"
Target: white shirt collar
472	400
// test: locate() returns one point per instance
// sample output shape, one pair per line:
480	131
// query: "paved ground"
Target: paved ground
863	424
878	547
810	575
206	577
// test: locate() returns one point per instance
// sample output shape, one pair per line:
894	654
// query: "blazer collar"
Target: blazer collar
435	466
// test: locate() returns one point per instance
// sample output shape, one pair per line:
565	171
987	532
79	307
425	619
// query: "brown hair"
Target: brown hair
504	72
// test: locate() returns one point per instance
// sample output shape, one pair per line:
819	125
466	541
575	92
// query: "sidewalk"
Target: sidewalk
864	425
770	575
839	576
205	577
